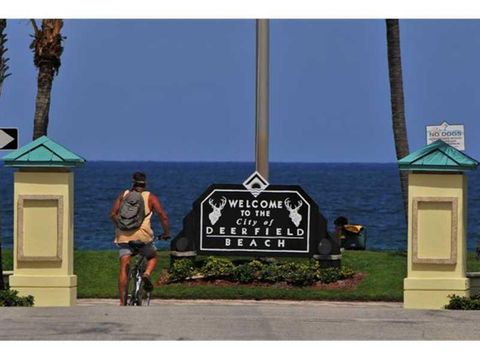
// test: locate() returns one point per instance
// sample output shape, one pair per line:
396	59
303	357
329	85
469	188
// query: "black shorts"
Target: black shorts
149	250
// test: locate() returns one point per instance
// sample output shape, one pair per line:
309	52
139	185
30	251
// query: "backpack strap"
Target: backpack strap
147	214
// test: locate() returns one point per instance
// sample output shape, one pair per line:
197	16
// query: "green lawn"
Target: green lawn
97	273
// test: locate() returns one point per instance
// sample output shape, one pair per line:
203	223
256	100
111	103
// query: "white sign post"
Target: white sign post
453	135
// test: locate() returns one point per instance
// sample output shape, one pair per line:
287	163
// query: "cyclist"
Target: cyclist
143	233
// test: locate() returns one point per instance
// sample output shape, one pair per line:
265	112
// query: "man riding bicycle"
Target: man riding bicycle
131	213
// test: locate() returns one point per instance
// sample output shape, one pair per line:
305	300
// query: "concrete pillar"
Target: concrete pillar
437	226
437	256
43	223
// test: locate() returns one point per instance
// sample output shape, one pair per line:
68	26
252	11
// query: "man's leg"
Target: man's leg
123	277
151	263
147	283
150	252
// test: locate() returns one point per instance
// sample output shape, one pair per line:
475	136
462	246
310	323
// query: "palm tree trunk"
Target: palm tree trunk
47	49
3	75
42	103
397	102
3	50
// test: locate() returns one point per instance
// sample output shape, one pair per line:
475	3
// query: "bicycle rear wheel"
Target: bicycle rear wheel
129	299
142	296
137	291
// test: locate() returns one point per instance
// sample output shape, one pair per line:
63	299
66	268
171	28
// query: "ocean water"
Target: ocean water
367	194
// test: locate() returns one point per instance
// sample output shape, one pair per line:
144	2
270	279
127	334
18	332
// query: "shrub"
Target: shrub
463	302
285	269
302	277
270	273
298	274
294	273
10	298
330	275
244	273
217	267
256	265
346	273
181	269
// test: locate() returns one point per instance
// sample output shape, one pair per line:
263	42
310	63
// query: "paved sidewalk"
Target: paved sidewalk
163	302
102	319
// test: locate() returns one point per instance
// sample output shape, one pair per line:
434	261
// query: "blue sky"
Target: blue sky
184	90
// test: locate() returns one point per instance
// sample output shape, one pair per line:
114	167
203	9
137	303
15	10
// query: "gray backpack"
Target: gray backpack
131	212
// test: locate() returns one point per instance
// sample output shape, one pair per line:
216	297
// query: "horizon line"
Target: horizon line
246	162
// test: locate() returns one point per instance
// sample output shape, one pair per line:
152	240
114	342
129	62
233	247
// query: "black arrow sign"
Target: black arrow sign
8	138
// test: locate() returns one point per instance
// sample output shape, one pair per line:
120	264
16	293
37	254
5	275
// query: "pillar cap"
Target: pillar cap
438	156
44	153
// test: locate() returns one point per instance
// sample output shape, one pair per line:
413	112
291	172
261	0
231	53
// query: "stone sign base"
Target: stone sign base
432	293
47	290
474	278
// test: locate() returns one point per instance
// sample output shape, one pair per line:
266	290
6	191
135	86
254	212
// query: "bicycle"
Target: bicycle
135	293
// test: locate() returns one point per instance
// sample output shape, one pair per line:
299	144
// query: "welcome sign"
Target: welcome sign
277	220
253	219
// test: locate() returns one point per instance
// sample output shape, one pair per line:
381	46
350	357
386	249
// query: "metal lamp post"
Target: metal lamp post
261	138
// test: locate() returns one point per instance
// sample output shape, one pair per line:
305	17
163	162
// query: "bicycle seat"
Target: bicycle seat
136	244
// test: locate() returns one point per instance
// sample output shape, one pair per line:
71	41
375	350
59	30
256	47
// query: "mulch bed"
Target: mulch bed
347	284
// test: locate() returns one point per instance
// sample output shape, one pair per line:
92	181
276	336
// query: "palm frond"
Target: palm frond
47	43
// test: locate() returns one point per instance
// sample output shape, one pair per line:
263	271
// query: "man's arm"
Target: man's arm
115	207
162	215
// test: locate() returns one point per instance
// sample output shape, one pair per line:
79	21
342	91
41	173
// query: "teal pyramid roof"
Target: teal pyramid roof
438	156
43	152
